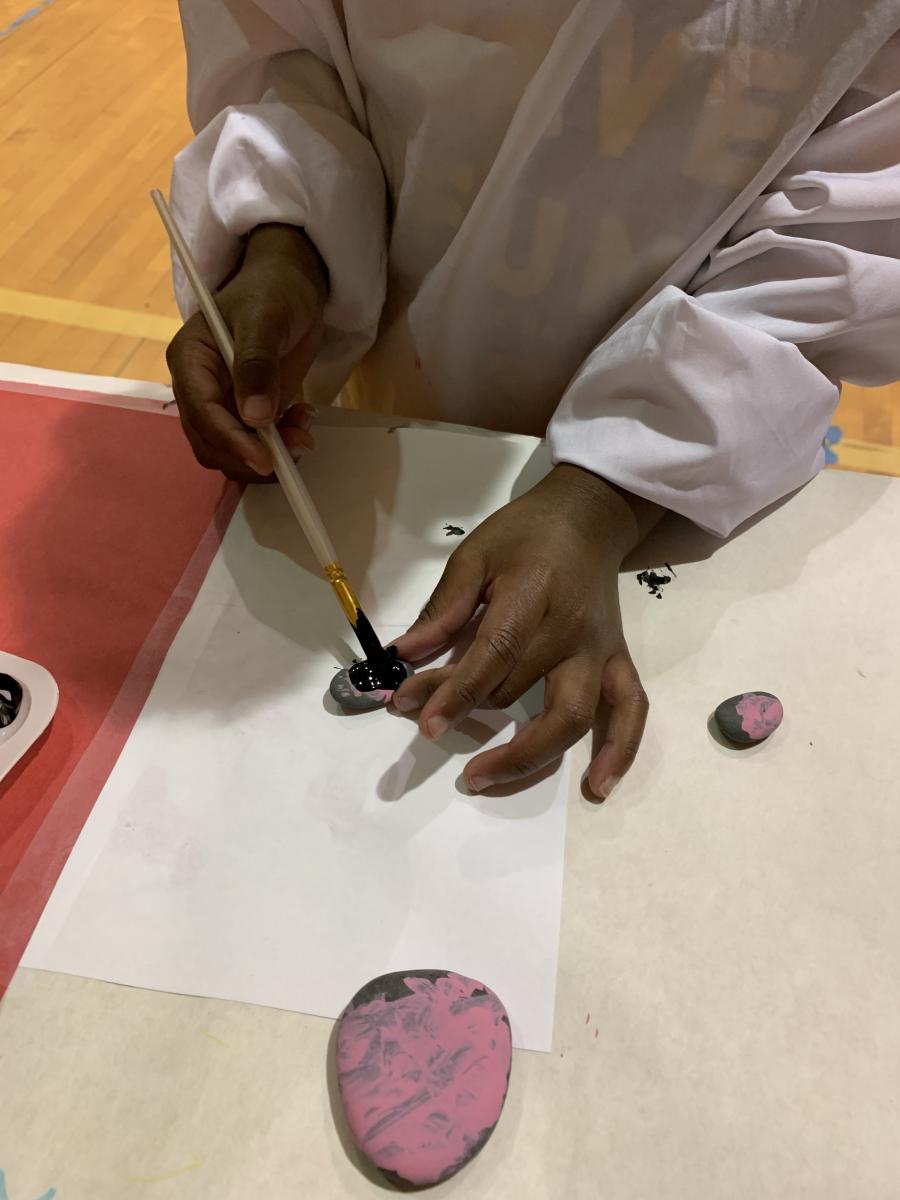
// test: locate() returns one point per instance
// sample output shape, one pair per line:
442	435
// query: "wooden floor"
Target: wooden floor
92	112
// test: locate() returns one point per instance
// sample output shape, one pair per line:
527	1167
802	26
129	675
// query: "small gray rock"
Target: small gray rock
750	717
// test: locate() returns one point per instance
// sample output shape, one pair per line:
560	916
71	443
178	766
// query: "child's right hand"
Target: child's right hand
273	306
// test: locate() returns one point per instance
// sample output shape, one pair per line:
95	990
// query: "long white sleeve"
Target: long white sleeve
714	400
282	137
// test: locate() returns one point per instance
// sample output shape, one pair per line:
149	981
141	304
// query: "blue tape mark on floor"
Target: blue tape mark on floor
3	1194
832	437
25	18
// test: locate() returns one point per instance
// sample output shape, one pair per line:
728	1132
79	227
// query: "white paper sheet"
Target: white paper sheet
251	843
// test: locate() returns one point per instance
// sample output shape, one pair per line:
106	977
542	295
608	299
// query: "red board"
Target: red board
107	527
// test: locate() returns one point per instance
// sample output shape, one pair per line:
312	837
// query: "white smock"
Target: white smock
659	233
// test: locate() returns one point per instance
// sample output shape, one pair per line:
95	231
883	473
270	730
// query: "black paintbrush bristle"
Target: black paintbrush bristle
368	638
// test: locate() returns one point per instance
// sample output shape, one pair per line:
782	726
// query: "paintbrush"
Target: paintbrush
295	489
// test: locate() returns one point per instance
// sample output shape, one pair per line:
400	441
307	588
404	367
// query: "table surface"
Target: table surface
727	1023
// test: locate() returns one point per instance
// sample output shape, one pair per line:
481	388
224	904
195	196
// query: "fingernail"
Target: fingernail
257	408
404	703
256	468
478	783
608	785
437	727
307	416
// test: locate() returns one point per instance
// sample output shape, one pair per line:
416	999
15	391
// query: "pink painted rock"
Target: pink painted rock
750	717
423	1061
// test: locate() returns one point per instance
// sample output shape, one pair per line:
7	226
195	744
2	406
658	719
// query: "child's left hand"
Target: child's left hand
546	566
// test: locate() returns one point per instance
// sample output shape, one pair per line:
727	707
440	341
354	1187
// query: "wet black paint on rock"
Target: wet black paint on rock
348	696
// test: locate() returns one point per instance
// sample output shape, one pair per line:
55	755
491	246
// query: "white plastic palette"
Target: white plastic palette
40	696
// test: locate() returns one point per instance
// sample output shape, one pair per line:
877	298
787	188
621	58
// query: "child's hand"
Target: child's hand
273	307
546	566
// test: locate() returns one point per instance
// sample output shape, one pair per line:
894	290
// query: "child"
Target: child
659	234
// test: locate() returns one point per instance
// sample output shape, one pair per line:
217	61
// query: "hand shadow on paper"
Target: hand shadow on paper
424	758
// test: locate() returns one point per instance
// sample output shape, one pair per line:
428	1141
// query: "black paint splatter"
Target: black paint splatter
454	531
655	581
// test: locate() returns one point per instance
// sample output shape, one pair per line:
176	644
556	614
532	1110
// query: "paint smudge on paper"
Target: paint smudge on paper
194	1166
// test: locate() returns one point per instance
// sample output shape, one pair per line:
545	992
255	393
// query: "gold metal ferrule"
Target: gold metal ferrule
334	573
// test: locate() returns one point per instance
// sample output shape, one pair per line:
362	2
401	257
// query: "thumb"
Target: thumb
450	608
260	343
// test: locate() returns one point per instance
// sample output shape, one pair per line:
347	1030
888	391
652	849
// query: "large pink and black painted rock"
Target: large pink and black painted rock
750	717
423	1061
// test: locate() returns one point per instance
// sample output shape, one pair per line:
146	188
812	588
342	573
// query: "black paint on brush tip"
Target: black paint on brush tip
655	581
368	638
10	699
380	670
454	531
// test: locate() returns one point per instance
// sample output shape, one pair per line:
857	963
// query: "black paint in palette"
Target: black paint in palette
10	699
